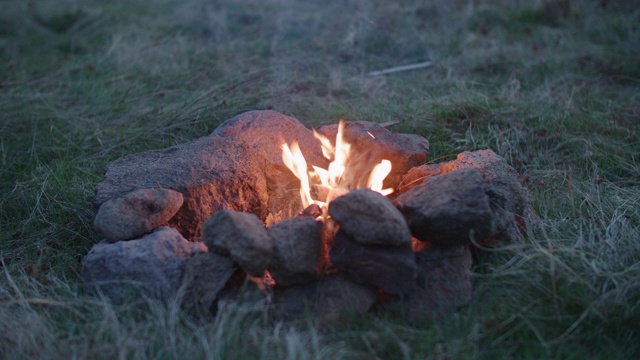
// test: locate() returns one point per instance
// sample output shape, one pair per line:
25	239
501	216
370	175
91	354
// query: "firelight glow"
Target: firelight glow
339	178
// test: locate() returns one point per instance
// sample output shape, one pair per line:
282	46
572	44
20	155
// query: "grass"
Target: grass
85	82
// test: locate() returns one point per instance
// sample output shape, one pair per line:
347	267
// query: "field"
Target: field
83	83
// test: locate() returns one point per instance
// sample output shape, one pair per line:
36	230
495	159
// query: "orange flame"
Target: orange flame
339	178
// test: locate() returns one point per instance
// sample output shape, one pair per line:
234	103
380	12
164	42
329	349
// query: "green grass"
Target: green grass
83	83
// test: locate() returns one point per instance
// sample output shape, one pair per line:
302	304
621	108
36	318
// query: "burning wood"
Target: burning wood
340	177
312	210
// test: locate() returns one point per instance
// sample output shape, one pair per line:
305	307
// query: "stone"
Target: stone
371	143
152	266
508	199
212	173
242	291
369	218
332	296
443	283
415	176
297	244
205	276
241	236
448	209
136	213
264	132
390	268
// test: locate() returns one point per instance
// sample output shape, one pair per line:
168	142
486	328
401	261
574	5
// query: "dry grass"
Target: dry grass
85	82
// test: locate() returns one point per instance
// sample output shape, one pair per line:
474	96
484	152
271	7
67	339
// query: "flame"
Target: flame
295	161
340	177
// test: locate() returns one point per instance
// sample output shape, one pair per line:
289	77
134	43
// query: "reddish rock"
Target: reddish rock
264	132
212	173
136	213
417	176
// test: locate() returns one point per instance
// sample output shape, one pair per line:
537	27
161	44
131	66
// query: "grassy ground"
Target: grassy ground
85	82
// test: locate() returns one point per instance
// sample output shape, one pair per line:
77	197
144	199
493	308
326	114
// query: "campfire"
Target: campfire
328	220
346	172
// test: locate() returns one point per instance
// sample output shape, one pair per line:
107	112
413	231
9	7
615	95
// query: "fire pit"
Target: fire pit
329	221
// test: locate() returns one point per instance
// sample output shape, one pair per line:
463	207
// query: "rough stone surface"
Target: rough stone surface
443	283
445	209
152	266
241	236
136	213
371	143
205	276
370	218
331	296
243	290
391	268
508	199
212	173
264	132
416	176
297	245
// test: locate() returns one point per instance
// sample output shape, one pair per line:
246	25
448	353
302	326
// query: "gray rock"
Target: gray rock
448	209
443	284
243	291
508	199
370	218
136	213
205	276
212	173
297	244
391	268
370	143
332	296
264	132
241	236
152	266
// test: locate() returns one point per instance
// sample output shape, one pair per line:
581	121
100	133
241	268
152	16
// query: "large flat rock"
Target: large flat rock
264	132
212	173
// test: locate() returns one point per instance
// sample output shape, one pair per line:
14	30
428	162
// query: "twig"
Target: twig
389	123
398	69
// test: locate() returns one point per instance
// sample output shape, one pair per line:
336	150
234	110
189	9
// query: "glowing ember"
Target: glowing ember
341	176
